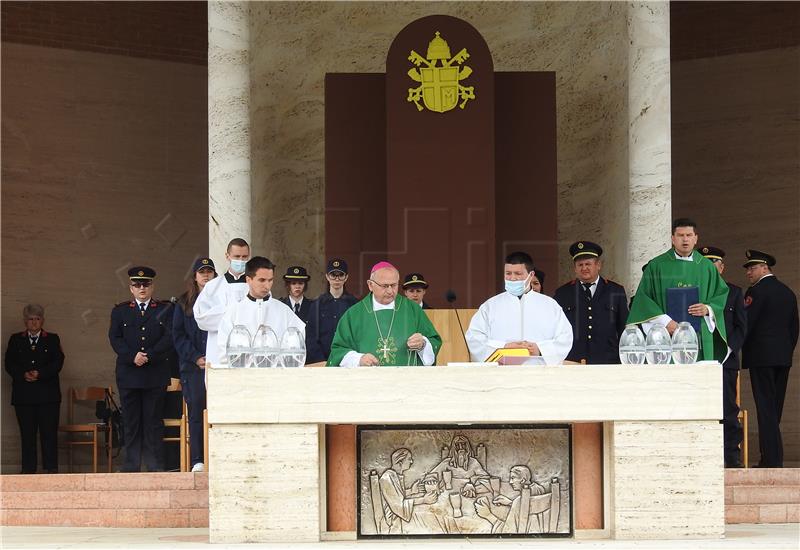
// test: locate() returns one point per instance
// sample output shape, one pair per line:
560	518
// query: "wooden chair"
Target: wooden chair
545	508
180	423
92	429
743	419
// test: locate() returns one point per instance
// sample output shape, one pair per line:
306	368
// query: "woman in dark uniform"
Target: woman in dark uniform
190	343
34	359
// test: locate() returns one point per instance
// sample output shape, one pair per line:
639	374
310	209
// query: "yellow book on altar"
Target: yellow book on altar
507	352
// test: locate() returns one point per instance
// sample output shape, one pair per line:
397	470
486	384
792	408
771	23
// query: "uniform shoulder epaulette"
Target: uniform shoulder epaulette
43	333
129	303
572	282
610	282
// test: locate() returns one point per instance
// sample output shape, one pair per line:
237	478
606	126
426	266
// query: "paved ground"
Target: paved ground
743	536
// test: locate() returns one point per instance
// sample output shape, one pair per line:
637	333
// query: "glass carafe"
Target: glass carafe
265	348
684	345
658	345
631	346
238	347
293	348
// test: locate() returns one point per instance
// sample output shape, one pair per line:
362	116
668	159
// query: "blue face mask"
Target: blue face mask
237	266
517	288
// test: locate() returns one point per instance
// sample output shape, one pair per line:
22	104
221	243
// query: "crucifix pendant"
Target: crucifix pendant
384	350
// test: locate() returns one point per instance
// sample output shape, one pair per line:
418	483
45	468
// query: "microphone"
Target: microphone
450	296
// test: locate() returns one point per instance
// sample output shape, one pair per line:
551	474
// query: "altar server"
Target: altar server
384	328
520	318
681	267
257	308
219	293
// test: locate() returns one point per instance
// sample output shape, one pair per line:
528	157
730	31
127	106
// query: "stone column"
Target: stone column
649	135
228	126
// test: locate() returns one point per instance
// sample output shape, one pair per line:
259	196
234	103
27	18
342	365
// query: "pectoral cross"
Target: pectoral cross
385	350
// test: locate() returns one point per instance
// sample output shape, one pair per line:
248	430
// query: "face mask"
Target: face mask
517	288
237	266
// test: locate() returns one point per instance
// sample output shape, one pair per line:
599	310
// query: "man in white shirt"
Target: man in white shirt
219	293
257	308
520	318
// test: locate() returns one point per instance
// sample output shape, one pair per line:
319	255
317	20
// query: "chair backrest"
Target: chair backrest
377	501
174	385
548	505
87	393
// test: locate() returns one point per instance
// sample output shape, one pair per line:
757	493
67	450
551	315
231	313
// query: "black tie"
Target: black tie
142	307
34	339
587	291
297	307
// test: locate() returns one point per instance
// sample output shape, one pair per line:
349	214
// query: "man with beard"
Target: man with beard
461	462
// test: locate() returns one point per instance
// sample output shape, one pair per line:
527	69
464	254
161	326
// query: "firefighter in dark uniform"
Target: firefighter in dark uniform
596	307
326	310
772	330
296	280
735	328
140	334
34	359
414	287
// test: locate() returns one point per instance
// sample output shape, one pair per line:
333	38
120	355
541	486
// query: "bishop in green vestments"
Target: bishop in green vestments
384	329
682	266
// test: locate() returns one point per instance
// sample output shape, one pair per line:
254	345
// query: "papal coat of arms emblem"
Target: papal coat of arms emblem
440	88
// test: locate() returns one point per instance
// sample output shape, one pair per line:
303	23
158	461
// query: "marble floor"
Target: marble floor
743	536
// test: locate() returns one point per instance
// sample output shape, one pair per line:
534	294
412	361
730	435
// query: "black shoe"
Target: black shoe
27	472
127	470
734	464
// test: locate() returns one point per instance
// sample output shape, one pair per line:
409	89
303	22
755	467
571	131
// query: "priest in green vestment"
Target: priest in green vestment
384	329
682	266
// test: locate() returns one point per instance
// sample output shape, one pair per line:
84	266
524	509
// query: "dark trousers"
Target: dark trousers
769	392
144	428
732	429
41	419
194	392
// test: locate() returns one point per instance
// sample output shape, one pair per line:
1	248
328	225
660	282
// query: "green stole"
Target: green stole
665	271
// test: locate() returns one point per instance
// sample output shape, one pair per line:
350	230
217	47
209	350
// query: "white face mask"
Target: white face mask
237	266
518	288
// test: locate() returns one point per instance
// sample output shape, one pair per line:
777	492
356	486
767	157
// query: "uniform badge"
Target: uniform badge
414	278
580	246
336	263
205	262
440	86
296	271
141	273
705	250
748	301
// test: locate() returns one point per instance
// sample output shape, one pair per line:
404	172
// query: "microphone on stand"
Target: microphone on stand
450	296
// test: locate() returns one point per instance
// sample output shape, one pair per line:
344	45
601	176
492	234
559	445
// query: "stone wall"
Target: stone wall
736	168
293	45
104	167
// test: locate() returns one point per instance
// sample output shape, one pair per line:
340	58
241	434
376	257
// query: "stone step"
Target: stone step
105	500
762	513
762	476
762	494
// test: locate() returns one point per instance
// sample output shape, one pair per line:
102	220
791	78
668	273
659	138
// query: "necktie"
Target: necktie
587	291
142	308
297	307
34	340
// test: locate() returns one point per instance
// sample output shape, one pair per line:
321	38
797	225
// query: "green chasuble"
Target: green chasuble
358	331
665	271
